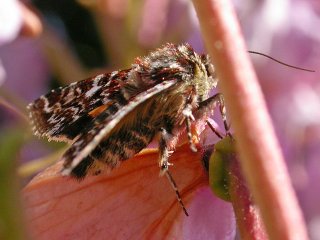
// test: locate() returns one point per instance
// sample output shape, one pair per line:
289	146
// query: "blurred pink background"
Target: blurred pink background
83	38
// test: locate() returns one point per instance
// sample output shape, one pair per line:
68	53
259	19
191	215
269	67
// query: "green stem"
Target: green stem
227	182
11	216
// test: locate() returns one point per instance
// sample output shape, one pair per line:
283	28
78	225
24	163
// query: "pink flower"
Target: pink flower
11	20
131	202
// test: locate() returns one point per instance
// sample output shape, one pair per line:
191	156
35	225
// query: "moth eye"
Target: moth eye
208	65
211	71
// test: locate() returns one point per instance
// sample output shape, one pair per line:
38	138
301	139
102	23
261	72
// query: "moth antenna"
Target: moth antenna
285	64
175	188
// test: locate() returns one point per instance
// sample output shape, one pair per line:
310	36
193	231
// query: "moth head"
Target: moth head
210	69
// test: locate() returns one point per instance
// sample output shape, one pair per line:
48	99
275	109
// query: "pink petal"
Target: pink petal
11	20
132	202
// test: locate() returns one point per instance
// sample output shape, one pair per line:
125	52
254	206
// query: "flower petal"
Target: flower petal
11	19
130	202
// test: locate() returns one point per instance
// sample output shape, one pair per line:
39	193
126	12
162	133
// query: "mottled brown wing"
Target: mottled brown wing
103	125
64	113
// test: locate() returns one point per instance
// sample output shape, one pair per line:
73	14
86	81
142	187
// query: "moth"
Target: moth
111	117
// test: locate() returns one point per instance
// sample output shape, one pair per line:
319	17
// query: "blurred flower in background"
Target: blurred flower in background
288	32
86	37
10	13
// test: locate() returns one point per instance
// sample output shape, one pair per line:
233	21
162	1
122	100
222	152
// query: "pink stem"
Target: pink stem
260	155
247	215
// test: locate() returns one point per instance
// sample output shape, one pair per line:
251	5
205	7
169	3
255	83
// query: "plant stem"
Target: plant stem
260	155
247	215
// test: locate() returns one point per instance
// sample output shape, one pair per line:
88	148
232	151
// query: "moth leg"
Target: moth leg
209	104
175	188
223	113
187	112
164	151
218	133
164	164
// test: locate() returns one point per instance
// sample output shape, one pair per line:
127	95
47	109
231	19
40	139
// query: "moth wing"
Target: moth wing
88	141
61	114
